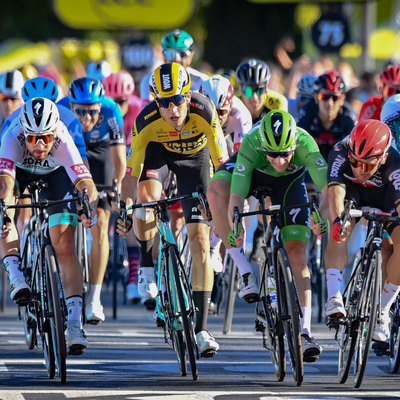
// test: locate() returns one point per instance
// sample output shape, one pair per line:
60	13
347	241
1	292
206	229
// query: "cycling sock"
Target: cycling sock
389	294
133	258
240	259
12	265
201	301
215	242
74	307
334	279
305	322
145	250
94	293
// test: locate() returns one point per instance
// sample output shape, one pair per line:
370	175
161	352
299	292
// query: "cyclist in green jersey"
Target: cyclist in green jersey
274	153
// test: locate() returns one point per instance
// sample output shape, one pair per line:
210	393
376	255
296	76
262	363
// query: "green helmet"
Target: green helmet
278	131
177	39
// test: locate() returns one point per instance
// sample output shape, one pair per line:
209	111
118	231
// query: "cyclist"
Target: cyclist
102	127
177	46
39	146
253	78
305	93
390	79
11	83
363	168
274	153
120	86
390	115
183	130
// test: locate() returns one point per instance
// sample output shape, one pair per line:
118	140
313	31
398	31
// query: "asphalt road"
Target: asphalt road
128	359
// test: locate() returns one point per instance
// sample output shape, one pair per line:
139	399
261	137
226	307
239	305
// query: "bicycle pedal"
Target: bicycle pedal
160	323
24	297
381	348
208	353
335	320
250	298
76	350
260	327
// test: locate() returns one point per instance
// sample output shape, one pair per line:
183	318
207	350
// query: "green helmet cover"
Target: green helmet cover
177	39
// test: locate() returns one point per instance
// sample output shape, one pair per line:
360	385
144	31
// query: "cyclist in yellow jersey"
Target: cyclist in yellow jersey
253	78
178	132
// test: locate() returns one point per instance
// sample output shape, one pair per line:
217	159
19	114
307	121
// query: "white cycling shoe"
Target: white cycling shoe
206	343
94	313
147	286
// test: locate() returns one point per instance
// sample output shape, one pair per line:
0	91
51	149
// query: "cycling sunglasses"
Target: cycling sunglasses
364	166
388	91
175	100
328	96
170	54
248	91
120	100
34	139
276	154
83	111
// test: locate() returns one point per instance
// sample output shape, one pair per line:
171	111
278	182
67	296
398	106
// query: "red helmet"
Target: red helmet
370	138
119	84
391	75
330	80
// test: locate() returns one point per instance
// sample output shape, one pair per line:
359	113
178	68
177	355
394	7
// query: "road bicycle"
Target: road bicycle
361	297
394	341
174	303
278	310
44	317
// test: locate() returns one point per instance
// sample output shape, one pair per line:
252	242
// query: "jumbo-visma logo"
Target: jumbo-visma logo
140	14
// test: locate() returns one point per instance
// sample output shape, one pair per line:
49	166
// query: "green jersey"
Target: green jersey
251	156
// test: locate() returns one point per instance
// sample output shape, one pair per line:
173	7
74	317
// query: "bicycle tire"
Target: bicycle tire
274	329
56	314
394	341
349	331
290	313
369	305
185	300
3	298
83	257
231	296
179	346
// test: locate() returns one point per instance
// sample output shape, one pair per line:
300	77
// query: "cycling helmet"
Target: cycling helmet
98	69
278	131
330	80
177	39
40	87
219	90
11	83
169	80
119	84
38	116
229	74
391	109
305	85
370	138
253	72
391	75
85	91
29	71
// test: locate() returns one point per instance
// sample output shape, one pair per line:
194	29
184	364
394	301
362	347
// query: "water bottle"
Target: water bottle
272	289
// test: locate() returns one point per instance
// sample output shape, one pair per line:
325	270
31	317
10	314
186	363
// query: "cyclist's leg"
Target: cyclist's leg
133	259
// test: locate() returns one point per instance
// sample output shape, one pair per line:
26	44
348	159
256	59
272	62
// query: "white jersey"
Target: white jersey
239	122
64	153
196	78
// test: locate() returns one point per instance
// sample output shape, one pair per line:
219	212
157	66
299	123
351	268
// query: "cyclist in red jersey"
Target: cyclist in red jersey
120	86
390	78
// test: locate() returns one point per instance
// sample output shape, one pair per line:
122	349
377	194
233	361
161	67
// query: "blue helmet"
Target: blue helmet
40	87
85	91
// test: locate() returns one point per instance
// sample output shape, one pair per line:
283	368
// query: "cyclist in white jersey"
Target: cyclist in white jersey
39	146
177	46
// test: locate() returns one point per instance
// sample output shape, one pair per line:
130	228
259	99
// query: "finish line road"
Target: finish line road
128	359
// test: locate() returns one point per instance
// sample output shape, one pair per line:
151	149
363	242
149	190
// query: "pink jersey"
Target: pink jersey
135	106
64	153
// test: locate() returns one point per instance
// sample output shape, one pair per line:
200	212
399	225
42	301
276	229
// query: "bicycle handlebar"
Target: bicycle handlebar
373	216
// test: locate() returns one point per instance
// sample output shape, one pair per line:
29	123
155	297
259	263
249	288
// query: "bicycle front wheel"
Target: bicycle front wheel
55	316
369	306
233	279
394	341
186	308
290	313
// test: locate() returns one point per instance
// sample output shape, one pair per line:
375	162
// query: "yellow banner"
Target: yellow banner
139	14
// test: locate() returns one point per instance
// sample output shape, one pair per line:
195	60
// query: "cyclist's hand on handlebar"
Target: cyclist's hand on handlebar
123	228
236	241
6	228
88	222
337	227
318	225
203	213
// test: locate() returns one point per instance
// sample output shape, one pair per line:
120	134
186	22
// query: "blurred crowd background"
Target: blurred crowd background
61	39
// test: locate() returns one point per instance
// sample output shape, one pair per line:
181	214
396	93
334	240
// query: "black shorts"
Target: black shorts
190	170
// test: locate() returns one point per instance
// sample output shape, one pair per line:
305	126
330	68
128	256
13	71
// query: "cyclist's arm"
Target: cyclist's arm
91	189
336	197
235	200
118	157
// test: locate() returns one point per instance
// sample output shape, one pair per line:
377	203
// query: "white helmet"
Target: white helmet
39	115
391	109
219	90
11	83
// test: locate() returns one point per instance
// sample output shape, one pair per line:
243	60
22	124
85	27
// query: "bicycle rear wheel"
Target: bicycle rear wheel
186	307
394	341
273	330
55	312
369	305
290	313
233	280
349	331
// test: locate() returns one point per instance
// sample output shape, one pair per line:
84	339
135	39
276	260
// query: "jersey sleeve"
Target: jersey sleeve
116	125
241	122
11	152
216	141
139	144
336	164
